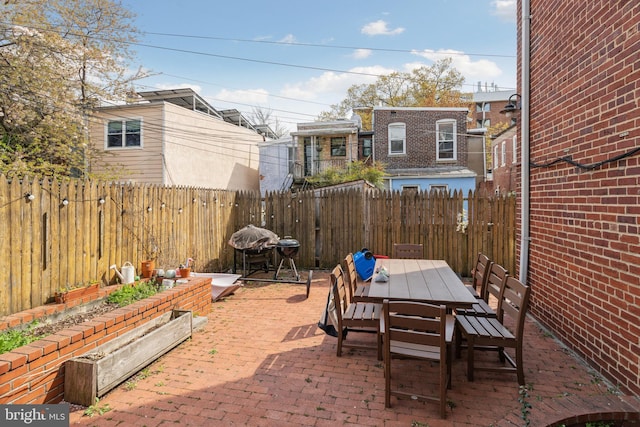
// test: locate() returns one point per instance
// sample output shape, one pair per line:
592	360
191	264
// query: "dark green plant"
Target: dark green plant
525	406
12	339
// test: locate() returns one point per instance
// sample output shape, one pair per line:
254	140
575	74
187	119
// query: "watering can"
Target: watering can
128	273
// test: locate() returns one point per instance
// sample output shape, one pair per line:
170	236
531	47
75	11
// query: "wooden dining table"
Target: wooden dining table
422	280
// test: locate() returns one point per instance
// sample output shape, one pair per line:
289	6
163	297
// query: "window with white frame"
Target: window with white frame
397	138
446	140
503	158
495	157
515	149
124	133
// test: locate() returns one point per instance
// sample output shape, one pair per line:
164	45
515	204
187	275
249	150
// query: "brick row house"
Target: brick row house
422	148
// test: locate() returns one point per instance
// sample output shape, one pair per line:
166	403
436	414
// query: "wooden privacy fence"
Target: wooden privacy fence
59	234
55	234
330	224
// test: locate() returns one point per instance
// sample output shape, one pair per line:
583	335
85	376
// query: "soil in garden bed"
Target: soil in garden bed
44	329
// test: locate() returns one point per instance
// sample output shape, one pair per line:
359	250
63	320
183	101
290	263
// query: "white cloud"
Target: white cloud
243	96
505	9
379	28
472	70
361	53
332	85
289	38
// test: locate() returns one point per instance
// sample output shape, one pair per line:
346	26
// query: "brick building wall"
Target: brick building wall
420	136
585	222
504	166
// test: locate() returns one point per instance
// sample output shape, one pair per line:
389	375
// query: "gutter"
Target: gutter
525	213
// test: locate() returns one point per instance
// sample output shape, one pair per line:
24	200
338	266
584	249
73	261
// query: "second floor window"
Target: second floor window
397	138
446	140
124	133
338	146
366	147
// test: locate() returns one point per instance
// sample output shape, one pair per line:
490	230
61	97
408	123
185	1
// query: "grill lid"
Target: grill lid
253	238
288	243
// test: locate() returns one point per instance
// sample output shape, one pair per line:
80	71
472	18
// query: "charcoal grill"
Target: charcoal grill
288	248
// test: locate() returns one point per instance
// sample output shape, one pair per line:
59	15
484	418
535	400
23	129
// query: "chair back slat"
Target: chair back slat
340	295
408	250
497	276
514	302
350	272
417	323
481	273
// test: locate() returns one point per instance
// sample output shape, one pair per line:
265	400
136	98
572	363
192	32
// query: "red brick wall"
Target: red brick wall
35	373
420	137
585	224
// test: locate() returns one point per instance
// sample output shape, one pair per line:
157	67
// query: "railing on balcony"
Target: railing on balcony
315	167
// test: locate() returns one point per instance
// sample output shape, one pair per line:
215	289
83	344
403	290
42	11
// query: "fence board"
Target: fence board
5	241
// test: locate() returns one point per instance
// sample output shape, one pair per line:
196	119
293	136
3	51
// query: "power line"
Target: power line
326	46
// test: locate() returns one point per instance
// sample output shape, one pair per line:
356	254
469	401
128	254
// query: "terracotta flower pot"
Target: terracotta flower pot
147	268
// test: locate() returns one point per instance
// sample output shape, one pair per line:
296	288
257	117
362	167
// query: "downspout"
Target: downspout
524	123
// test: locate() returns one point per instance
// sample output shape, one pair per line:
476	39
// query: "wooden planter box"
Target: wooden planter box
94	374
88	292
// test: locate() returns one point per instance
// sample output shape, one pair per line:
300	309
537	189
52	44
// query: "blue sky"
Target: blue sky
296	58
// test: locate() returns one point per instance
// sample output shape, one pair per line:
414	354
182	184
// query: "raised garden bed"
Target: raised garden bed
96	373
34	373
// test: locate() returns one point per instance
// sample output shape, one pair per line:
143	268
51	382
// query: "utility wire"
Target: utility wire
326	46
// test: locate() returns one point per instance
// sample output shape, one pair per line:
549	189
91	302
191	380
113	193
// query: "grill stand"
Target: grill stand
292	267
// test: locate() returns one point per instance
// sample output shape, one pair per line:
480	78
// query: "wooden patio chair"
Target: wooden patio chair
359	290
479	275
495	278
490	333
408	250
354	316
419	331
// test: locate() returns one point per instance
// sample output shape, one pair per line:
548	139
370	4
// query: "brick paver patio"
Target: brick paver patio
261	360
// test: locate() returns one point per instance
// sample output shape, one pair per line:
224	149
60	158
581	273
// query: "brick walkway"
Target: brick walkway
260	360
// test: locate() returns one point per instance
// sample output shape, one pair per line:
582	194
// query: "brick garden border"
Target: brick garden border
34	373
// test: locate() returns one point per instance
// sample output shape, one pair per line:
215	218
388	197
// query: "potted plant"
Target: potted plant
69	293
149	263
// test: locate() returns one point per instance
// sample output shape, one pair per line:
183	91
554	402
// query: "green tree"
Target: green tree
58	59
428	86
